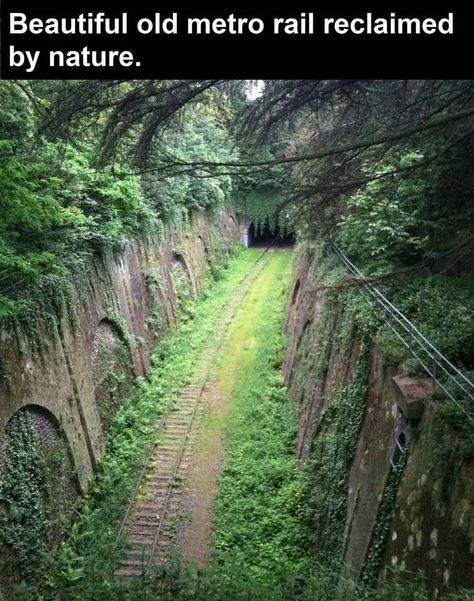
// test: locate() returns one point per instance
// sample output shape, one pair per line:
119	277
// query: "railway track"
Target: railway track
147	532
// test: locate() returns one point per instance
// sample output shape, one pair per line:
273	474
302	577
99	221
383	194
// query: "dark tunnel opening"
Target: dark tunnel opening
265	236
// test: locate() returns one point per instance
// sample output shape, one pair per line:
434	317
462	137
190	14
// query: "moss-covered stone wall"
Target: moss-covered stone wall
80	365
372	508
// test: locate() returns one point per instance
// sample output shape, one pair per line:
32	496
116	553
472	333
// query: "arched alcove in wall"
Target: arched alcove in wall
182	283
203	248
45	426
112	370
39	486
177	257
401	439
202	263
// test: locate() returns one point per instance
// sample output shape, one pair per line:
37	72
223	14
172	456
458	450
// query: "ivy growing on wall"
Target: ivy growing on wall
113	379
116	318
181	286
373	561
331	455
261	207
158	322
22	495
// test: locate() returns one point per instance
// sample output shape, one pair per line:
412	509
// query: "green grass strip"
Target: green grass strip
258	517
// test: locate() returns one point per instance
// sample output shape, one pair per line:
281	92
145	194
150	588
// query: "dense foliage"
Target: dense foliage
57	209
388	165
259	525
22	495
381	228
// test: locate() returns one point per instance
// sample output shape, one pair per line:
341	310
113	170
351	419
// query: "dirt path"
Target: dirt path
195	530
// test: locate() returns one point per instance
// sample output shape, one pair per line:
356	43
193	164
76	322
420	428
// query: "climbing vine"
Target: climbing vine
373	561
113	379
181	286
158	322
116	318
261	207
22	495
328	466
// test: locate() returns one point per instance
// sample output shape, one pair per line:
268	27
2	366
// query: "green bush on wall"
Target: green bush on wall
23	492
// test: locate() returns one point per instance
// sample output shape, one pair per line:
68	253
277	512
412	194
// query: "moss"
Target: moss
182	287
257	521
392	348
457	419
373	562
116	318
328	466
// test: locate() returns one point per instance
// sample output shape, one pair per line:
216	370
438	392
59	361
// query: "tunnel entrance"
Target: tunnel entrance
264	236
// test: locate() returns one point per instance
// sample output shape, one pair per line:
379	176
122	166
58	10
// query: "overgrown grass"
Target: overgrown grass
258	514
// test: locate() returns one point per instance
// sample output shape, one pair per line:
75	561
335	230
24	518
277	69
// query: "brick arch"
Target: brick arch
107	323
7	416
112	370
55	449
204	247
234	228
178	257
304	333
37	409
202	262
180	263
